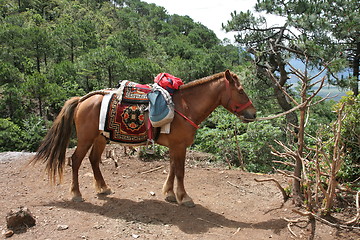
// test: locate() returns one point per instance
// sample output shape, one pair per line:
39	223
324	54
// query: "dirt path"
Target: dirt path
229	204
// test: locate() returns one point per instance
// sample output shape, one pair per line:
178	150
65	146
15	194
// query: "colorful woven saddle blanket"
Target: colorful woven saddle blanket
131	92
124	114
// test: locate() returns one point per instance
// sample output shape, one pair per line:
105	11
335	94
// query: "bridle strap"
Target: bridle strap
239	107
235	107
187	119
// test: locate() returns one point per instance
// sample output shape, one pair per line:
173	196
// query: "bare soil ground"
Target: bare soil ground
229	203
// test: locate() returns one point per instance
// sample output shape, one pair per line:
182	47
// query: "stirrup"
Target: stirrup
150	148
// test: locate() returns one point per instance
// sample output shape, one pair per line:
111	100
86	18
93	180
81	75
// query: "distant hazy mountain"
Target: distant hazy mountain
333	91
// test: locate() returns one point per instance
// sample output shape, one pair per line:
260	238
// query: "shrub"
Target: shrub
350	133
16	137
234	142
33	132
11	136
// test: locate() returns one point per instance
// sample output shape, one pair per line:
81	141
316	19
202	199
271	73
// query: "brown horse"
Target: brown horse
195	100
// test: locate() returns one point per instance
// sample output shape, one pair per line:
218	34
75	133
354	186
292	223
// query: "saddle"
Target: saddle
125	116
126	119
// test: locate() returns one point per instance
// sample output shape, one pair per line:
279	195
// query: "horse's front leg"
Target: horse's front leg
168	188
177	167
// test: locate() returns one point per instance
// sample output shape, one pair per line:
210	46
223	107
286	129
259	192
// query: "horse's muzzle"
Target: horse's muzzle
247	117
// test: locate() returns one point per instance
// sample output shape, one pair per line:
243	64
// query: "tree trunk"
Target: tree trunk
40	106
355	82
110	77
298	163
277	63
285	105
38	60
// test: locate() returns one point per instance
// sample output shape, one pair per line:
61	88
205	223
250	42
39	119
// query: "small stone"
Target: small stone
98	226
152	193
135	236
8	233
62	227
20	218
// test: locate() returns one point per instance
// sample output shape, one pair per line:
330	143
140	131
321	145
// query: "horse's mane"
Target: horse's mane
206	79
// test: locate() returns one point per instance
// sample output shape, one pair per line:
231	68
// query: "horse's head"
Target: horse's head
235	99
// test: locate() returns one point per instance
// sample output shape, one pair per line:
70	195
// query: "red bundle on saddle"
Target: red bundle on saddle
168	82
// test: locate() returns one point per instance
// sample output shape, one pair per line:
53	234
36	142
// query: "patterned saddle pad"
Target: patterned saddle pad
135	93
126	122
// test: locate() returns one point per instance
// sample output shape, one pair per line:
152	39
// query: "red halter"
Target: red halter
235	107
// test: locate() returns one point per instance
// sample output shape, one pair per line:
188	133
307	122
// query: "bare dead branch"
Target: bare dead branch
320	219
288	175
234	185
287	149
326	65
237	230
307	117
152	170
313	84
285	163
297	72
357	217
323	99
295	220
285	195
290	50
281	114
283	155
290	230
317	90
280	87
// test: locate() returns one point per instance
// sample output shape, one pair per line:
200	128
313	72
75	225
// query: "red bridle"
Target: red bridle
235	107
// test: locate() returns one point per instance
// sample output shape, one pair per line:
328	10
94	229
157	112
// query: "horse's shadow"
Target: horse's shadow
162	213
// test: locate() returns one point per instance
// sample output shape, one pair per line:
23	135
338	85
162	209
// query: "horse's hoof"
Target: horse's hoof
171	199
189	204
105	192
77	199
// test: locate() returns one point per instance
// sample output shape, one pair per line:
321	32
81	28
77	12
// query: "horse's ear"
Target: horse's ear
228	76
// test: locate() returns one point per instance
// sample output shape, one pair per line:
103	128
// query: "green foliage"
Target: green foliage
320	116
350	133
24	136
34	130
11	136
255	144
326	30
156	152
224	135
53	50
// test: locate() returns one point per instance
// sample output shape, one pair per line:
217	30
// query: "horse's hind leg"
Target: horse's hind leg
95	157
76	159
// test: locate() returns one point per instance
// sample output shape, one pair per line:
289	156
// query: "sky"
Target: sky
211	13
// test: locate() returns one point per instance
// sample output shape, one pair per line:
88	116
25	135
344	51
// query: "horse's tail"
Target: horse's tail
53	148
